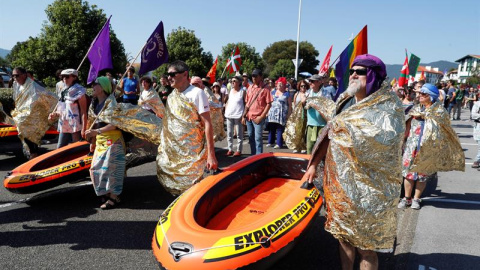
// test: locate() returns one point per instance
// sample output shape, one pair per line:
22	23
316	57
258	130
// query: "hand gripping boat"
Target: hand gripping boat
247	216
54	168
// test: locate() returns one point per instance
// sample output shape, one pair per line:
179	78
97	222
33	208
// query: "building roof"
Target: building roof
422	68
469	56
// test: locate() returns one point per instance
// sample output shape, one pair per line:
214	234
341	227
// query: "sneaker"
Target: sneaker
404	203
229	153
295	151
276	146
475	164
268	145
237	154
303	151
415	204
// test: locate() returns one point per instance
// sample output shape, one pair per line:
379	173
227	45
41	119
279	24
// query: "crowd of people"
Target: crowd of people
366	135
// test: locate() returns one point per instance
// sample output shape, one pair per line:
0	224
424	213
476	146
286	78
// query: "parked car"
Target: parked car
5	78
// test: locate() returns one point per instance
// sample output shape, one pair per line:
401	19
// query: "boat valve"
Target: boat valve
180	249
265	242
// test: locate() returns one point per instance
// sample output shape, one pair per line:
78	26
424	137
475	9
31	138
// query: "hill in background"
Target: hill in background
3	52
393	71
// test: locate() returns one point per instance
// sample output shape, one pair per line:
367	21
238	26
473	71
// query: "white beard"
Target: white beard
353	87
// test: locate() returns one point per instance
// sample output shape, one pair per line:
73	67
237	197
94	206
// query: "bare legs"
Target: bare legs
419	188
368	258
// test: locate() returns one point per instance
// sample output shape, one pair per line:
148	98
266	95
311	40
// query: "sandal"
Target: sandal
110	203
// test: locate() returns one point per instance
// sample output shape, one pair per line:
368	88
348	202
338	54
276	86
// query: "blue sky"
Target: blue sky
433	30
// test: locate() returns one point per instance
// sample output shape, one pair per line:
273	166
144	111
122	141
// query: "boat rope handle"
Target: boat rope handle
247	243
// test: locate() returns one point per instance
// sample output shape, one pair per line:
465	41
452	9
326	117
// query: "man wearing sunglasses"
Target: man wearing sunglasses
186	142
32	106
361	149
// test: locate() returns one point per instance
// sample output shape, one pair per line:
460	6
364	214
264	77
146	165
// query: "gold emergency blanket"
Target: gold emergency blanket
216	116
4	118
362	177
294	134
182	153
33	104
131	118
152	99
440	148
325	106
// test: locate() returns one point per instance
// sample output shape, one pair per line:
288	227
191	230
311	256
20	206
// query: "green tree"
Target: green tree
287	49
474	79
283	68
65	39
182	44
250	58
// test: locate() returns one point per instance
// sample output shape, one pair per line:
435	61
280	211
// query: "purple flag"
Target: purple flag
100	55
155	52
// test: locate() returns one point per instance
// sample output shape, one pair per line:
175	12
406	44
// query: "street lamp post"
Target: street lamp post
298	39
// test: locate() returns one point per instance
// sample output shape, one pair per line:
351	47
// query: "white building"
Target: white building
466	65
451	75
432	75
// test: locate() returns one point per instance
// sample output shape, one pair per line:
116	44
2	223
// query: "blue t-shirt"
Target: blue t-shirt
314	118
130	88
451	90
328	92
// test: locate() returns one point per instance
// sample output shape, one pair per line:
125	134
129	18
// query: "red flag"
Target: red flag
213	71
422	76
235	61
326	62
404	74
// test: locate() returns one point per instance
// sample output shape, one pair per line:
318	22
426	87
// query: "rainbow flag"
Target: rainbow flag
357	46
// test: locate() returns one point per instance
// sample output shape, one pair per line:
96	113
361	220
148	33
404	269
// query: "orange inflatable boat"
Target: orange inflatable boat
51	169
247	216
8	132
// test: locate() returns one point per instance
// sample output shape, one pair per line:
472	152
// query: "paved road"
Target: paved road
64	228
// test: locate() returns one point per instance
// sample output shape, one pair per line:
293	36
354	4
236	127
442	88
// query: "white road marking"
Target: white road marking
468	144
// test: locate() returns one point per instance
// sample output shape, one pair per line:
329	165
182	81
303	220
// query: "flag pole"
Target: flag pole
93	42
224	69
131	63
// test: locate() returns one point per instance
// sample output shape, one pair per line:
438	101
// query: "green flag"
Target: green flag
413	64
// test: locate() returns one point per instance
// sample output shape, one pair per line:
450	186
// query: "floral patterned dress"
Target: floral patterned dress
278	111
412	146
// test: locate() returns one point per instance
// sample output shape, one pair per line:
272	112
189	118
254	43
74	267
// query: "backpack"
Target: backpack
89	101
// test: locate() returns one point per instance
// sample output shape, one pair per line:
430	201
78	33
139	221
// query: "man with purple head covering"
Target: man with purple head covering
361	150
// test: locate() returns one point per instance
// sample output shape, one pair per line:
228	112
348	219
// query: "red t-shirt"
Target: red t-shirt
259	104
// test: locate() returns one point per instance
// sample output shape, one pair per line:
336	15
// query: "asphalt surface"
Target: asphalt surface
63	228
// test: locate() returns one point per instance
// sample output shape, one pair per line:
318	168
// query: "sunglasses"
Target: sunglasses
16	75
423	94
360	72
173	74
254	76
303	86
234	81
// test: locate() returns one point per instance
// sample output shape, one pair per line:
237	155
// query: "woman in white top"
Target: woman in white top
235	105
71	110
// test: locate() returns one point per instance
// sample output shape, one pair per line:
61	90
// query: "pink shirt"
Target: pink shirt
258	106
